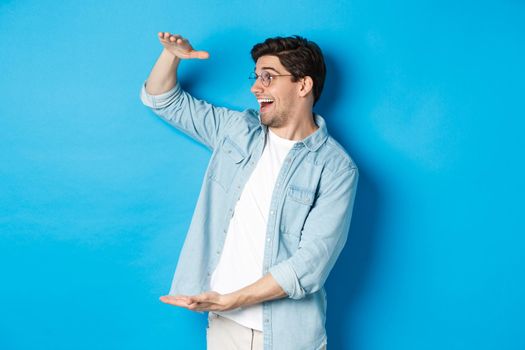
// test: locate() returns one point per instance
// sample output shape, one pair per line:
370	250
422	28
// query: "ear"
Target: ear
305	86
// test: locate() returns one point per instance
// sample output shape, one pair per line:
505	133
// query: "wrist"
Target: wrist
235	300
170	55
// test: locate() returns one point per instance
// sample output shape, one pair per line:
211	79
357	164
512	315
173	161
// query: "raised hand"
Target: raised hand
180	47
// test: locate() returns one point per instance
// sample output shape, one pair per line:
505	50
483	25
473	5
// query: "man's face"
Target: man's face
277	100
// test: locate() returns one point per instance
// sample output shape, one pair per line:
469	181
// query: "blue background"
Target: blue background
96	193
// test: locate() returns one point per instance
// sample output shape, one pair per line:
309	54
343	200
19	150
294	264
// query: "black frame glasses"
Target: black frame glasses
266	77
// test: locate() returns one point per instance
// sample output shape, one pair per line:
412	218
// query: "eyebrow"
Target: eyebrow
269	68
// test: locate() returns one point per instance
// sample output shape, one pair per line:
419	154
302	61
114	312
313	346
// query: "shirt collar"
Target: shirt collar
313	141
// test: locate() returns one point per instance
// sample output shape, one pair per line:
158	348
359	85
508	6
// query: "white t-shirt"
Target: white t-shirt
241	262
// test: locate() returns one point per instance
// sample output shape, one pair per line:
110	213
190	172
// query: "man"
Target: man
275	207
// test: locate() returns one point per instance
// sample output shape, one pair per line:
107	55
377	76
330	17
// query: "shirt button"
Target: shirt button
218	252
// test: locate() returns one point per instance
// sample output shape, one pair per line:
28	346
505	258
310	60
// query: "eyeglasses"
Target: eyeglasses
266	77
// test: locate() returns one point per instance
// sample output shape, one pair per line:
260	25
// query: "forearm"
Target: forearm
163	76
262	290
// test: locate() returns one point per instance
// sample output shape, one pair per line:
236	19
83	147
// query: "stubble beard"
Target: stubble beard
274	120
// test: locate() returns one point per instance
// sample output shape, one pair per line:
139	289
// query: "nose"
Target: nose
257	86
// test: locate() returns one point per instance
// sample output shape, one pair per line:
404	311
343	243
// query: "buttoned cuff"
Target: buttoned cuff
286	277
162	100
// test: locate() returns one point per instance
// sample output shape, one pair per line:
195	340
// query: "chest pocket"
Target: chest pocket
296	206
226	164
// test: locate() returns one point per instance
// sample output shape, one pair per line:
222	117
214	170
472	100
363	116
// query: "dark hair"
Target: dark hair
298	55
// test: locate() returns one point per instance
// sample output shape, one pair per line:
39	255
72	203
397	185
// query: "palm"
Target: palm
180	47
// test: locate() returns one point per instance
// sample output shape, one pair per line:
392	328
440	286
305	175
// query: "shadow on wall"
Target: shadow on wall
347	281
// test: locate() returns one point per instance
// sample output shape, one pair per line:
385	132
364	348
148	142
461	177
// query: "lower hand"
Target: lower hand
208	301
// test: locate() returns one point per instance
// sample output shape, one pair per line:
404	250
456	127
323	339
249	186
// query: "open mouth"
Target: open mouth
264	103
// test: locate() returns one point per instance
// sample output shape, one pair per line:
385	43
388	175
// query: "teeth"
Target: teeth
260	100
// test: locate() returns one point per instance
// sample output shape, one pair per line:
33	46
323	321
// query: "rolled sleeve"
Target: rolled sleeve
323	237
161	100
286	277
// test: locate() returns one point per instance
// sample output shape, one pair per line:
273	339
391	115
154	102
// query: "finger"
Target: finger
174	300
161	37
202	55
195	299
175	303
203	297
175	37
184	45
193	306
200	307
167	299
176	296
